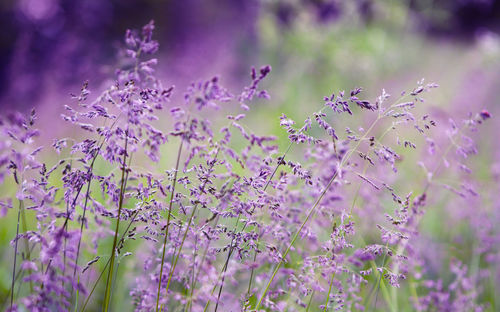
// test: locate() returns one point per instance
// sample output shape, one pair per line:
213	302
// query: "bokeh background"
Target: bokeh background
49	47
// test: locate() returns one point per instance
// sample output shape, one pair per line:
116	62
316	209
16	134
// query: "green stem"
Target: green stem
193	286
180	249
313	210
202	189
15	256
329	292
265	188
381	285
223	277
81	227
215	286
107	294
179	152
65	238
189	291
107	263
310	301
224	267
26	244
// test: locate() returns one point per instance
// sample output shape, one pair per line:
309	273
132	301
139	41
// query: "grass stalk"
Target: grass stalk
176	259
107	263
193	286
329	292
313	210
107	294
26	243
230	252
252	271
310	301
15	256
179	152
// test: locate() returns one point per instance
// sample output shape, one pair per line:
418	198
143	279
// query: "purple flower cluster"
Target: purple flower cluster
218	217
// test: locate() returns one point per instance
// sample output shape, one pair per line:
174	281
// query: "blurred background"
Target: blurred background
49	47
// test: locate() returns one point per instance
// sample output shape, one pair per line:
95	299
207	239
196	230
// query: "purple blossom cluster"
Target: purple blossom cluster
219	218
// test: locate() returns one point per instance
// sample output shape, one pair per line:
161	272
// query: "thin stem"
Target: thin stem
310	301
202	190
216	221
81	226
252	271
224	267
379	284
179	152
107	263
26	243
18	275
230	252
107	295
64	227
223	279
313	210
278	165
73	204
329	292
251	274
186	307
176	259
65	238
20	214
15	256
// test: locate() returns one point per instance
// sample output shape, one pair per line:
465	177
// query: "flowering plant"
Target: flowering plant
220	217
